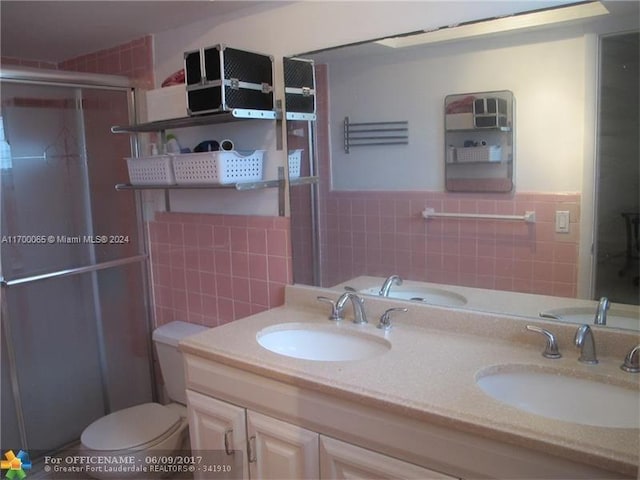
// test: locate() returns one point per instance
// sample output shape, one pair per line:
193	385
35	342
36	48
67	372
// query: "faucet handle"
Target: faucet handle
632	361
336	313
551	348
385	318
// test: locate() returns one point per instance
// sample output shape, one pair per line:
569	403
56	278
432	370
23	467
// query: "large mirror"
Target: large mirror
366	214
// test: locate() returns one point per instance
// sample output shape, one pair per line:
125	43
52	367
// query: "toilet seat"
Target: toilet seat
131	428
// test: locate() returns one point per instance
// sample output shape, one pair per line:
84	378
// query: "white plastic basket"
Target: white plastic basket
294	160
218	167
155	170
489	153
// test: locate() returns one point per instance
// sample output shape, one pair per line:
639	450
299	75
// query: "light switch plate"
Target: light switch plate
562	221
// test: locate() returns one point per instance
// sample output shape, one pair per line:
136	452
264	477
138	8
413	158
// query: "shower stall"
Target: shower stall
75	310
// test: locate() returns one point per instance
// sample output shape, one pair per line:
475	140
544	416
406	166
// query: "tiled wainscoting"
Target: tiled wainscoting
212	269
380	233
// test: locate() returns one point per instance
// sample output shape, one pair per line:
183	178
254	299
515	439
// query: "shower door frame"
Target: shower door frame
27	76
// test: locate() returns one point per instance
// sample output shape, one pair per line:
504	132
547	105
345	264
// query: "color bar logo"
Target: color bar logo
15	465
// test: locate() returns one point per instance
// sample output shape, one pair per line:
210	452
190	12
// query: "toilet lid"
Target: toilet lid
130	427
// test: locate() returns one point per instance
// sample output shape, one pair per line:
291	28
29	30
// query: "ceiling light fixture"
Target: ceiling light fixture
492	26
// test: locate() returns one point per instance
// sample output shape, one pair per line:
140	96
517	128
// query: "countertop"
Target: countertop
430	371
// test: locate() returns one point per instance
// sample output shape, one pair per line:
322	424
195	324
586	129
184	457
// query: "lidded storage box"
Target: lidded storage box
490	112
220	79
299	85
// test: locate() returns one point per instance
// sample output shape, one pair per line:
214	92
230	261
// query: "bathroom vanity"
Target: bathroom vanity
403	403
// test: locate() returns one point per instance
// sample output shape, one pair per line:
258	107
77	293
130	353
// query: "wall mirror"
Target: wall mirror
364	216
479	130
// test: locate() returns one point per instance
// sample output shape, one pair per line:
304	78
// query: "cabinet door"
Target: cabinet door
217	429
279	450
340	460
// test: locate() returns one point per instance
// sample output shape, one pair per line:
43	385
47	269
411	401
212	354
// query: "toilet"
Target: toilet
148	427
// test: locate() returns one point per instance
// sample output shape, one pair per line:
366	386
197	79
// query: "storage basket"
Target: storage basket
294	160
218	167
489	153
155	170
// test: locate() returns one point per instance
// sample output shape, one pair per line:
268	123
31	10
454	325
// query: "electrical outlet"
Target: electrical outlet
562	221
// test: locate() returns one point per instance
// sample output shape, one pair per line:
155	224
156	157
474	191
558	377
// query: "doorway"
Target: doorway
618	179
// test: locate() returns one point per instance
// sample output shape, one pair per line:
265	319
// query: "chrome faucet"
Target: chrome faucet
632	361
385	318
585	342
601	313
386	286
359	315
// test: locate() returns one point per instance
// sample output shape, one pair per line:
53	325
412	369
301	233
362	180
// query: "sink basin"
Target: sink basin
618	318
328	343
552	394
434	296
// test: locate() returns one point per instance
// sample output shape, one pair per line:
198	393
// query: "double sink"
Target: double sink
550	392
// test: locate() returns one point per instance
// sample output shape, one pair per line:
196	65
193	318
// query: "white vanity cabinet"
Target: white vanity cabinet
343	461
270	448
292	431
280	450
217	426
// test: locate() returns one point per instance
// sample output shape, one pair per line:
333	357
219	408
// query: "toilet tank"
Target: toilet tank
166	340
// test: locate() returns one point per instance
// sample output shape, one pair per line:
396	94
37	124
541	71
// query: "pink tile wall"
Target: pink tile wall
213	269
22	62
133	59
379	233
382	233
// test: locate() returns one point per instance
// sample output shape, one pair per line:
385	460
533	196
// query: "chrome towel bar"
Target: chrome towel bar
528	217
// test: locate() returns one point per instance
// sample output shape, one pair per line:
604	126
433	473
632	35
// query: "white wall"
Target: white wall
305	26
545	72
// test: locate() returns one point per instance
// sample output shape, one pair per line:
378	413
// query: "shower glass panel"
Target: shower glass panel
123	310
55	341
79	341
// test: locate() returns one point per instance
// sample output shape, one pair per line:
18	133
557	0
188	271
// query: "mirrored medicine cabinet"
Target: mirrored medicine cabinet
479	147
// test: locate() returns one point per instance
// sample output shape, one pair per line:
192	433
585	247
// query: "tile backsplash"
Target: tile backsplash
213	269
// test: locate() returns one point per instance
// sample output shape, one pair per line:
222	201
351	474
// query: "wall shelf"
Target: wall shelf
235	186
237	114
240	187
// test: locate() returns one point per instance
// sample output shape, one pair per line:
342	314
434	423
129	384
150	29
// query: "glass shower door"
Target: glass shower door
74	308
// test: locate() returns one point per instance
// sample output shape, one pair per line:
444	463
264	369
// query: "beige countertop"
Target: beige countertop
429	373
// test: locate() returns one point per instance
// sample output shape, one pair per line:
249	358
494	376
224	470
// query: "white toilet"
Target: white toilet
150	426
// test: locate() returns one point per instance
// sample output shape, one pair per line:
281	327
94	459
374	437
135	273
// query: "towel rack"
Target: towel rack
528	217
375	133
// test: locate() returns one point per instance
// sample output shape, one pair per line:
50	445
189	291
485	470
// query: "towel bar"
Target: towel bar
528	217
